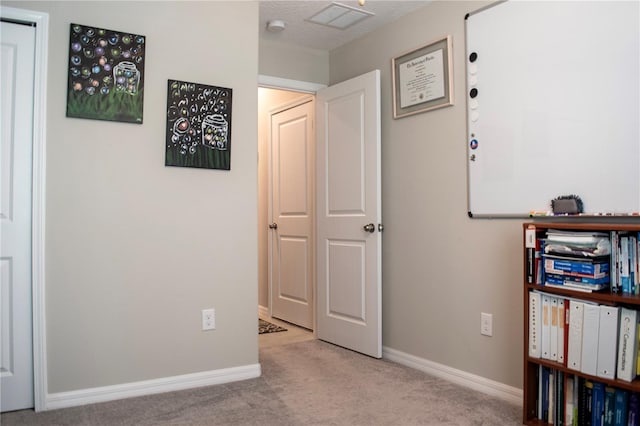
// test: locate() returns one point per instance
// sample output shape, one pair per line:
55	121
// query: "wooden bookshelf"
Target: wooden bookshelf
605	297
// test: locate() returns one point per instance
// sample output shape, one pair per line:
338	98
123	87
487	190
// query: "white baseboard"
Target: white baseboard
148	387
263	311
481	384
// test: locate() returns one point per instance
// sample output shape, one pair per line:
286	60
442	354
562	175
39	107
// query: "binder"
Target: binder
627	344
545	332
553	337
574	353
535	300
608	341
590	327
563	324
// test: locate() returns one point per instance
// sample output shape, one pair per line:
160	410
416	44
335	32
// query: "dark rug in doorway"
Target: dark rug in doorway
267	327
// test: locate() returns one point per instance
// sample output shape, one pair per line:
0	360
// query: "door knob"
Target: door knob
369	227
273	225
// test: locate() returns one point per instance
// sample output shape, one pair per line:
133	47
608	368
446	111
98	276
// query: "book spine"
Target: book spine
551	409
569	399
609	406
597	409
560	399
633	418
625	278
620	414
545	393
588	407
633	263
531	262
613	262
637	264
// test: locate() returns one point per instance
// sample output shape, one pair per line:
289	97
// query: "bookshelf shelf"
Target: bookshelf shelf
532	364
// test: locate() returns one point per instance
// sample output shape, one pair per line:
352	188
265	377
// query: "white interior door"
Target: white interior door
16	99
349	218
292	203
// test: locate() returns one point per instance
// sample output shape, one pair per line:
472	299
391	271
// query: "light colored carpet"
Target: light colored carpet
307	383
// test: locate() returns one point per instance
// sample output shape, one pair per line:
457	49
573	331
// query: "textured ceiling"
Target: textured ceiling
302	33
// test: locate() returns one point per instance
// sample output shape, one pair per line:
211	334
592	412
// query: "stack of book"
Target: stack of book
577	260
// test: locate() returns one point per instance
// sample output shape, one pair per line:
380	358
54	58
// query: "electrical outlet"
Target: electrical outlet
486	324
208	319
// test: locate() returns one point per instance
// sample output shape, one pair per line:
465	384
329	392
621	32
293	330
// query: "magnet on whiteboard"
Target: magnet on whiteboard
473	80
474	116
473	103
473	68
473	144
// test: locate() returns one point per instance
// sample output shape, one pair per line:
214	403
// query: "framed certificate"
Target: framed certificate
422	79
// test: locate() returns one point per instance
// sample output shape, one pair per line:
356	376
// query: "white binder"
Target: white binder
553	338
535	302
627	347
607	341
574	352
562	321
590	332
546	326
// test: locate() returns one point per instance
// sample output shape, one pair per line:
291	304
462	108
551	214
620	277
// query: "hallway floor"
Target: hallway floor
293	334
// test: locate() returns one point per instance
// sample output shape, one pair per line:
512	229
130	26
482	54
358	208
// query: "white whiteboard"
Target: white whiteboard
557	109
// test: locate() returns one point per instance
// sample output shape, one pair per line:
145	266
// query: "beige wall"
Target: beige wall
441	269
268	100
294	62
134	249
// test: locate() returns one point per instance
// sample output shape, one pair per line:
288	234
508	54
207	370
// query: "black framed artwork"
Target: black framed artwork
105	74
198	132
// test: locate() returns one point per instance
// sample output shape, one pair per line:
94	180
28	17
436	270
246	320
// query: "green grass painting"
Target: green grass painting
114	106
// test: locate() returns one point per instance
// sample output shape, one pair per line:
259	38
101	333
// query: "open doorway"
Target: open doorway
285	214
343	192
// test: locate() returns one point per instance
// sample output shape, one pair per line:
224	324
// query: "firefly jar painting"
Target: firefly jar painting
198	132
106	74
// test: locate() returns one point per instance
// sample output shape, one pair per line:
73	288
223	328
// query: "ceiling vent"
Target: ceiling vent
340	16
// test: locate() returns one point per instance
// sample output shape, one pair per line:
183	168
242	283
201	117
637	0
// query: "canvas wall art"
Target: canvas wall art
106	74
198	130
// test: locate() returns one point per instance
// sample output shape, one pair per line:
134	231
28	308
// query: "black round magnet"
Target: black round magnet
473	57
473	93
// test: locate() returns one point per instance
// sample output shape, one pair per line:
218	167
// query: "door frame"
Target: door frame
302	87
303	99
38	175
